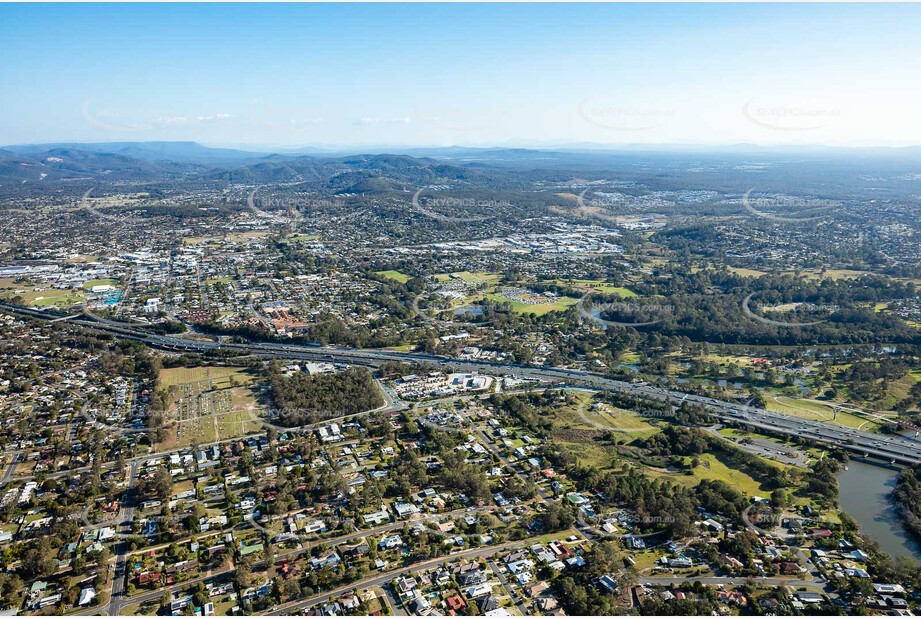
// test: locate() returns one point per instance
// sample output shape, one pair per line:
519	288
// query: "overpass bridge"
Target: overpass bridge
893	449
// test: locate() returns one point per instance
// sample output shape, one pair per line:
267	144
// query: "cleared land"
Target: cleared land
395	275
820	411
89	285
590	285
35	296
577	425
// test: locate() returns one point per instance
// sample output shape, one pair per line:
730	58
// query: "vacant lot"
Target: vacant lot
601	287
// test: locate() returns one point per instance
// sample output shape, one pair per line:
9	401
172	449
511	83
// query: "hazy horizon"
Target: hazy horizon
371	148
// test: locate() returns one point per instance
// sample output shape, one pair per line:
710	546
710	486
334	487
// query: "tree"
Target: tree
37	559
291	589
780	498
160	485
242	575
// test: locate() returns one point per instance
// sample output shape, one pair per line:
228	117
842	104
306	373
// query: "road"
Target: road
295	607
764	448
894	449
126	516
11	469
497	571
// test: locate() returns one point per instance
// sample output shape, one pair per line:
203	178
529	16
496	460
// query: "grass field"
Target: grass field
630	358
627	422
406	347
488	288
742	272
248	235
37	296
469	277
395	275
747	272
711	468
575	426
298	237
89	285
186	375
899	389
725	360
832	273
83	259
818	411
559	304
197	240
589	285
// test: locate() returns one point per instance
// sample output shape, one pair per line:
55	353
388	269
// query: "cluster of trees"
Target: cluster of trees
707	305
907	495
691	442
303	399
527	409
821	481
578	591
641	405
158	486
700	602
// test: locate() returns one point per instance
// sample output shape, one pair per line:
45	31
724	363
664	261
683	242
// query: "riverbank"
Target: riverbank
865	493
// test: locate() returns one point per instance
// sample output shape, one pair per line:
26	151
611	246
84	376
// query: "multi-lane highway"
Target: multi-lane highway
894	449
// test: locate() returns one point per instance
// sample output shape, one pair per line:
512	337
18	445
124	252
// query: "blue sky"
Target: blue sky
466	74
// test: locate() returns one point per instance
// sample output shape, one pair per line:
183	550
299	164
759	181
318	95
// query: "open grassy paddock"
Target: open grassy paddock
394	275
40	296
578	425
820	411
601	287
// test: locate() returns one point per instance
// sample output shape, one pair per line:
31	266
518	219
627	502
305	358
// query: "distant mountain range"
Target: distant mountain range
376	171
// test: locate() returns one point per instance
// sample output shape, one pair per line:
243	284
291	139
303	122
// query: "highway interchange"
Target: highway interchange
893	449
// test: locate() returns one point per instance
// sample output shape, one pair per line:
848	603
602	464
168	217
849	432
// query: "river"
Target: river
865	493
